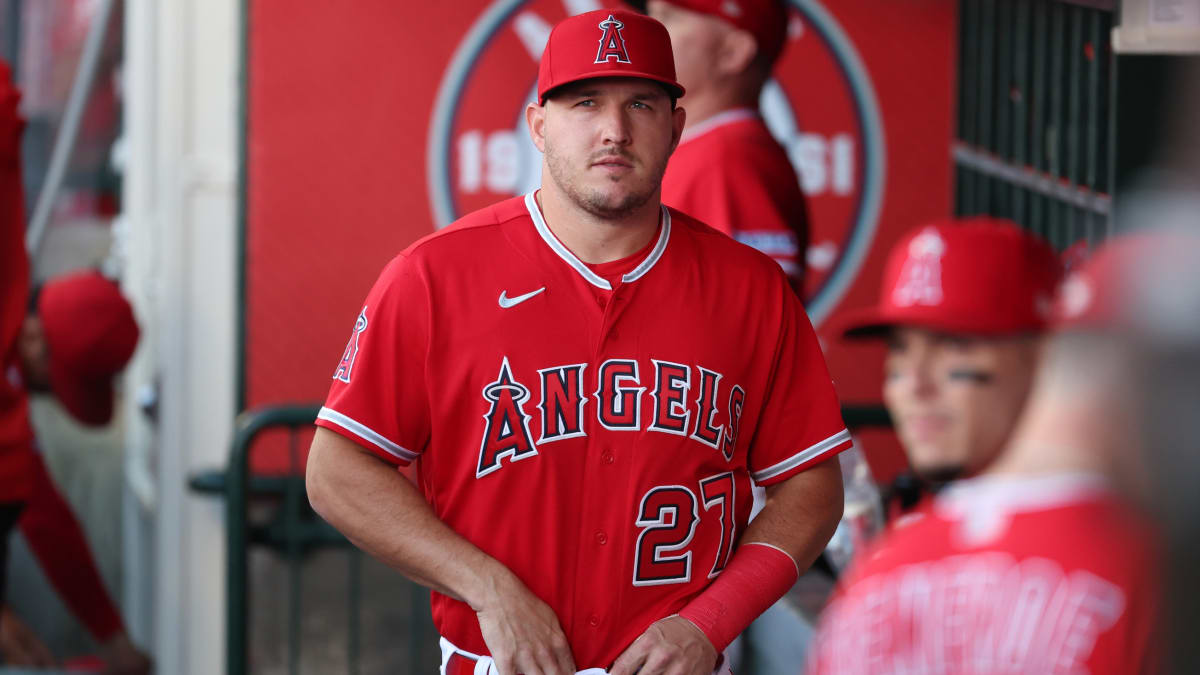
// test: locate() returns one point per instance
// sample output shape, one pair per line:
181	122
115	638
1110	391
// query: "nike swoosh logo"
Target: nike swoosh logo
507	302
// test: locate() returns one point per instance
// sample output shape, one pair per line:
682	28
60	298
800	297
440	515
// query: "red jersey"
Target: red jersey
1000	575
729	172
16	434
597	437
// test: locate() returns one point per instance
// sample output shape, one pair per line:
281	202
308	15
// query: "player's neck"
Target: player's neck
707	103
593	239
1055	436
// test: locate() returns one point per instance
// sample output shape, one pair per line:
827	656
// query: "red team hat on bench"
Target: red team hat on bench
974	276
91	334
607	43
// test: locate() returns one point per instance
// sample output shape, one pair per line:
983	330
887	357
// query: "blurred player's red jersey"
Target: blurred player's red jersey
729	172
1043	575
593	427
16	433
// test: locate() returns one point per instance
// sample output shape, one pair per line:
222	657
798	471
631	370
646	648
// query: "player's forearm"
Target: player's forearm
801	513
382	513
800	516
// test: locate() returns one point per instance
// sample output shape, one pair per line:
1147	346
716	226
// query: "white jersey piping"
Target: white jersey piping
813	451
535	212
367	434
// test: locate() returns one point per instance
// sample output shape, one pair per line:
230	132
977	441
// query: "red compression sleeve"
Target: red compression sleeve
757	576
57	540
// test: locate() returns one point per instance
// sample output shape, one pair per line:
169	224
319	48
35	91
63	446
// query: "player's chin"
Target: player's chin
934	460
619	196
940	473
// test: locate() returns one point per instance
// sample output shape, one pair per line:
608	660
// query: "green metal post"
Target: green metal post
292	508
986	133
237	491
1020	102
354	582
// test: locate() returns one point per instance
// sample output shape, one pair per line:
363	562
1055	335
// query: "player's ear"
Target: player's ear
678	119
535	117
736	53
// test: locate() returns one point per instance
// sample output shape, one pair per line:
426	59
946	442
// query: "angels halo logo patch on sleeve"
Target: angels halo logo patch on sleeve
351	352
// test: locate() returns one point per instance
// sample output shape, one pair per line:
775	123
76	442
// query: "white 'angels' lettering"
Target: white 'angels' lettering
619	397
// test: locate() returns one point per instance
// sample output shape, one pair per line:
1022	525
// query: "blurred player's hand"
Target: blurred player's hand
523	634
670	646
19	645
121	657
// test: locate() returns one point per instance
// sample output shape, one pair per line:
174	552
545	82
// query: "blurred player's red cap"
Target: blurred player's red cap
91	334
972	276
766	20
607	43
1145	282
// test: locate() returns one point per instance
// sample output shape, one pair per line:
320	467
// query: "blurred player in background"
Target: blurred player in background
69	339
728	170
962	305
1042	563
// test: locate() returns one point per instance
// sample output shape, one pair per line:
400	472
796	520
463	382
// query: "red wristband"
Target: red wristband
757	576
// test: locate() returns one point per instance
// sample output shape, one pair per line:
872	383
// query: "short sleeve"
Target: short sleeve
379	397
801	423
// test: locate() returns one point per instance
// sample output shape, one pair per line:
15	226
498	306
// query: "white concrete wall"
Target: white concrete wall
179	245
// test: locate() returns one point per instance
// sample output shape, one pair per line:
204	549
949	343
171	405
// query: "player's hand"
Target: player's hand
122	657
523	634
670	646
19	645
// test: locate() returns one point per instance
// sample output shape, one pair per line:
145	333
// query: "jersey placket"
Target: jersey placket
601	526
610	459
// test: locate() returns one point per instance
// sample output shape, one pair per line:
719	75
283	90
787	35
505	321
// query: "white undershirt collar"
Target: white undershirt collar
535	212
718	120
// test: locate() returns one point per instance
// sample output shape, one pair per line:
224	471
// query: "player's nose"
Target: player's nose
615	126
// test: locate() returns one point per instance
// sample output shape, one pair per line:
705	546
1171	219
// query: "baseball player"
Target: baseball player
1037	565
570	369
962	306
68	339
728	170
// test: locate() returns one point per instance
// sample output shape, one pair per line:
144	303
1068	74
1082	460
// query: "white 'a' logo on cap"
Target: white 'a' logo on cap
612	45
920	281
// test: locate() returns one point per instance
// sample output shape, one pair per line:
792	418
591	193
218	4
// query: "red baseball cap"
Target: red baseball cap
607	43
972	276
766	20
90	334
1145	281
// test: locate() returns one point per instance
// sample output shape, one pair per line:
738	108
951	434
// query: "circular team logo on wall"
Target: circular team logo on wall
820	106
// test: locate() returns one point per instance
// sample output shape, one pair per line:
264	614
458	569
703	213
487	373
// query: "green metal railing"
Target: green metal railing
1035	101
290	528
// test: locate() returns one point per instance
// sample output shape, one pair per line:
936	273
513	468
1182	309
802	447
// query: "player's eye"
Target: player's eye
639	105
585	103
